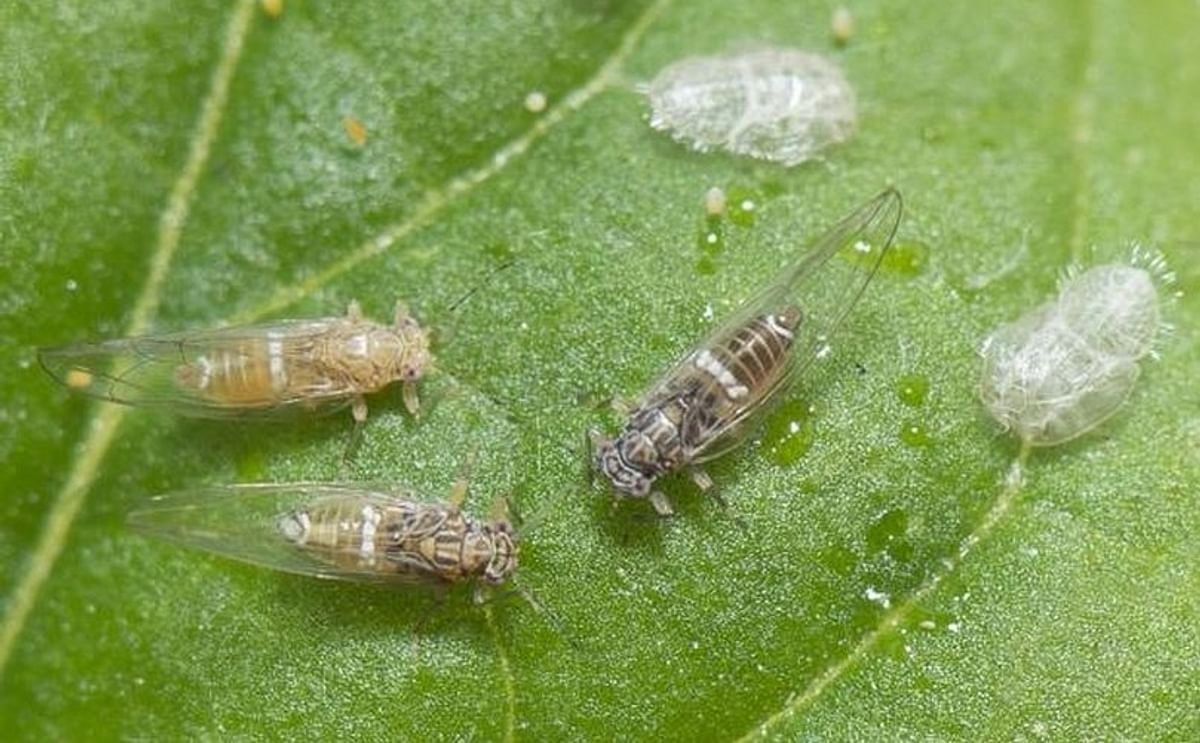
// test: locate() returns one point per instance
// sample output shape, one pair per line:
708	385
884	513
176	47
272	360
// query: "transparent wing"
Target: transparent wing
164	371
247	523
824	290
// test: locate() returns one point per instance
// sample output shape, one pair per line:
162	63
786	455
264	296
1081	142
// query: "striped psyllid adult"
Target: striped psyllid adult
709	401
252	370
342	532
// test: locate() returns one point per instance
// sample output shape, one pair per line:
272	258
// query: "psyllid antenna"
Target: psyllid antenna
471	292
504	512
555	623
441	337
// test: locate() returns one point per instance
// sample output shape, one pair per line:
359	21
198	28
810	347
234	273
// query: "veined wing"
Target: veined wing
259	524
824	291
172	371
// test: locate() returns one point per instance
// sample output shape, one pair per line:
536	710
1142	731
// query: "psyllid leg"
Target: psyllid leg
593	440
427	616
718	498
661	505
358	408
352	446
401	317
554	622
458	491
707	486
411	402
502	510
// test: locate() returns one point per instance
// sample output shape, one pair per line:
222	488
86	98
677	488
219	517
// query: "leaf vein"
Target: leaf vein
102	430
894	618
438	199
506	675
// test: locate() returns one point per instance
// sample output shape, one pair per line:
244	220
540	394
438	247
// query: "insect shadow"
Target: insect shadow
422	613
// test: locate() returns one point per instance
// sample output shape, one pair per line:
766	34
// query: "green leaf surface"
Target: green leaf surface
182	165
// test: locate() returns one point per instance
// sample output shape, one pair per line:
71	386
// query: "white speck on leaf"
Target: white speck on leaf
841	24
714	202
878	597
535	102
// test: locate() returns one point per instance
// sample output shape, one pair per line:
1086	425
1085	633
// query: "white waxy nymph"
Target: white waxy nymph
781	105
1063	368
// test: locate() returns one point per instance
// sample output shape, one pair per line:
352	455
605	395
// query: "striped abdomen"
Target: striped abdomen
740	369
247	372
261	371
422	540
348	532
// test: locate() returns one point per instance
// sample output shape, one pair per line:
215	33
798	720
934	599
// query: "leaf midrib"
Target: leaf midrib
1079	129
104	425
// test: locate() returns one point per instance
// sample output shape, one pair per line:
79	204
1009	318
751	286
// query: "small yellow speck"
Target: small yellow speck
273	8
355	130
78	379
842	25
535	102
